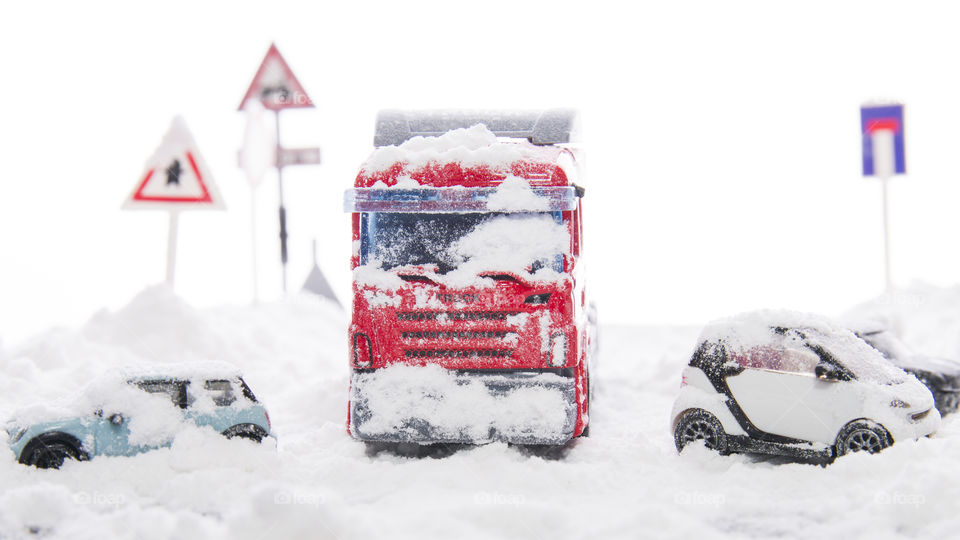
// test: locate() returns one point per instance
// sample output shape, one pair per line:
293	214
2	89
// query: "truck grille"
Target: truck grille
454	315
458	353
470	334
422	338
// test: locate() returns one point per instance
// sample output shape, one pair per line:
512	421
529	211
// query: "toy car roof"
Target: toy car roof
181	371
543	127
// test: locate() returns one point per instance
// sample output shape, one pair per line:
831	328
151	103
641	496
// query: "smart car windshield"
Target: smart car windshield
862	360
532	240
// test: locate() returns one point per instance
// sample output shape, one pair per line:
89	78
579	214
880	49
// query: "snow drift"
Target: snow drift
624	481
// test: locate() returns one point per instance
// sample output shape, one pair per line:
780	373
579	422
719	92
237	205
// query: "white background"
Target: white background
722	140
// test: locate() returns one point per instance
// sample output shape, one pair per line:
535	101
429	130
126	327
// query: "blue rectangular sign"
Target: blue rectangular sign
882	117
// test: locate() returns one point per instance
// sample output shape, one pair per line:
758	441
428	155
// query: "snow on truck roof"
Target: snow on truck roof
469	157
550	126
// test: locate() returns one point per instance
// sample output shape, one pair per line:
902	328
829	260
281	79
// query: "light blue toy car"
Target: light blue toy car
130	413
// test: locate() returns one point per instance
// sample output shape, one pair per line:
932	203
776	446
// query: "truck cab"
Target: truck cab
469	319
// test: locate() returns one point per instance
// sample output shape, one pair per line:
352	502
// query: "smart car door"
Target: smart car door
782	396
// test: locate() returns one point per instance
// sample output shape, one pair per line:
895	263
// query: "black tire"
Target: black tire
699	425
50	450
251	432
862	436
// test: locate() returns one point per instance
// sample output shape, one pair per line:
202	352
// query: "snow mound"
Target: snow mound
319	483
514	194
925	317
470	147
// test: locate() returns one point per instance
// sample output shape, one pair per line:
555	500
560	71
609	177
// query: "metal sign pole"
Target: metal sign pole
283	210
885	180
172	247
881	126
883	155
253	244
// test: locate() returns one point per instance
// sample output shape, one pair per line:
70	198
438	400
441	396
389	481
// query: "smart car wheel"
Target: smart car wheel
699	425
49	452
246	431
862	436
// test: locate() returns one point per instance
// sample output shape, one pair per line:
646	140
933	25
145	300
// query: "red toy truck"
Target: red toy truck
470	320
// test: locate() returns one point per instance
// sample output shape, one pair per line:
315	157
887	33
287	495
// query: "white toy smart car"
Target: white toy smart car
798	385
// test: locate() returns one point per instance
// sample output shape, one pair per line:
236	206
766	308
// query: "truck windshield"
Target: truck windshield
488	241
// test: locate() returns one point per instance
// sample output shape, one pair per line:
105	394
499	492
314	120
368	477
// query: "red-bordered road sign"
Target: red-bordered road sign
175	176
275	85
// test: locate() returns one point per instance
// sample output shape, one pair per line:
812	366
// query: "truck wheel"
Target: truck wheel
252	432
699	425
50	450
862	436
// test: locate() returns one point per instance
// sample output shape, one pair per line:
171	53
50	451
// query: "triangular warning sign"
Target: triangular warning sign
275	85
175	176
317	283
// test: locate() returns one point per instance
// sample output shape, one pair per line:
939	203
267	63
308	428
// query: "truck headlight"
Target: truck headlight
899	404
541	298
362	351
557	354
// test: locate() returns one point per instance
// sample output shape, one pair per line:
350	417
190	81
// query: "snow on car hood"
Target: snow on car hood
912	392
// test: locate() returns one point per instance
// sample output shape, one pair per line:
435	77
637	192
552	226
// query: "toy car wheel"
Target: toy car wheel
862	436
50	452
699	425
246	431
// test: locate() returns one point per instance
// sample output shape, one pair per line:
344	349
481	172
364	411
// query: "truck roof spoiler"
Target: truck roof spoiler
548	126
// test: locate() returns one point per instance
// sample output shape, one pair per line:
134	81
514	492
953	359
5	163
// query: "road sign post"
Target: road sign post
256	156
172	246
881	127
276	88
175	178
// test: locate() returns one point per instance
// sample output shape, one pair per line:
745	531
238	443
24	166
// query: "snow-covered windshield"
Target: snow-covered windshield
865	362
484	241
888	345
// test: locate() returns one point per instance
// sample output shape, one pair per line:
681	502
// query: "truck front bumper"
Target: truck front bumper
430	404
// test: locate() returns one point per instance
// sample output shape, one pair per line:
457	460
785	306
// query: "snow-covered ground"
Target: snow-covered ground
624	481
